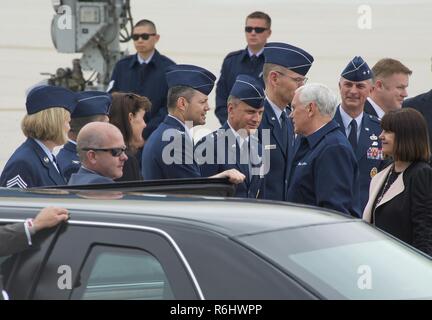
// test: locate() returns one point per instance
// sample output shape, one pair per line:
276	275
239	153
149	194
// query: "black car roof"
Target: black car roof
230	216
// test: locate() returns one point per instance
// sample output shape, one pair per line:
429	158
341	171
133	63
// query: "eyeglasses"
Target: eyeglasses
257	29
115	152
144	36
298	80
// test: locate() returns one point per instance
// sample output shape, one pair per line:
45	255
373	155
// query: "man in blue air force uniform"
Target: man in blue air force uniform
248	61
324	170
361	129
235	145
33	164
284	71
144	73
169	154
92	106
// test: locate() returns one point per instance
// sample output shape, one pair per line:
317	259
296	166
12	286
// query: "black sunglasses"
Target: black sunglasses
115	152
144	36
257	29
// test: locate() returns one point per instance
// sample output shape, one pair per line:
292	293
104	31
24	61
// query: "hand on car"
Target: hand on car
50	217
233	175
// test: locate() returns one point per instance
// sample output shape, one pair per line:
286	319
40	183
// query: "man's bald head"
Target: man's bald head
96	135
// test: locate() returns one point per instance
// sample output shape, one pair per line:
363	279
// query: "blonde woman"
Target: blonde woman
46	126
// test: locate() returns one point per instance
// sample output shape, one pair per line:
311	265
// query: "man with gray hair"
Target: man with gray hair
324	170
101	149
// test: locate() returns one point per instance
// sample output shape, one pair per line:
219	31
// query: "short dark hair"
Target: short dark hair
411	134
77	123
387	67
260	15
122	105
145	22
174	93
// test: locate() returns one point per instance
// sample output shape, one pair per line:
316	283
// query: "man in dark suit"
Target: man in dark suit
284	71
101	150
144	73
362	130
235	145
422	103
169	154
390	83
17	237
247	61
92	106
324	170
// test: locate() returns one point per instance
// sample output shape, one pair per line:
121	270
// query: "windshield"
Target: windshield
347	261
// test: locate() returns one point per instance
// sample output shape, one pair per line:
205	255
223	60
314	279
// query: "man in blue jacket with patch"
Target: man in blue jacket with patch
169	153
361	129
235	145
144	73
284	71
324	171
247	61
92	106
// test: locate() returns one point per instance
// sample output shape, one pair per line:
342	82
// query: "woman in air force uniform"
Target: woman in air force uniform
45	125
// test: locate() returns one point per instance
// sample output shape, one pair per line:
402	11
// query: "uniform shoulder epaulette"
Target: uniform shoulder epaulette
234	53
374	118
126	59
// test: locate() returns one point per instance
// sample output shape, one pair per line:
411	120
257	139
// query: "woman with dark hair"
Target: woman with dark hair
127	113
400	196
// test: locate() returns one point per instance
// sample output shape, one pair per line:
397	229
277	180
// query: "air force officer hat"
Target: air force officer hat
248	90
357	70
44	97
288	56
190	76
91	103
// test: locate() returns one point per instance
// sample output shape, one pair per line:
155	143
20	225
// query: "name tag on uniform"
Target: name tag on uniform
374	153
269	147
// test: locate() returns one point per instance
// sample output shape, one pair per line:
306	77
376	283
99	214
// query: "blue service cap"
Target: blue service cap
357	70
190	76
91	103
288	56
44	97
248	90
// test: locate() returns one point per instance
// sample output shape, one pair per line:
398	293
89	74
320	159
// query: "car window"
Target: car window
348	260
124	274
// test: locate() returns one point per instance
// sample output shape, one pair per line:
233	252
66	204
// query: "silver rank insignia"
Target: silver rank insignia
46	160
373	137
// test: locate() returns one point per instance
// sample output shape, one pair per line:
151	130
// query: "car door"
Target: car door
97	260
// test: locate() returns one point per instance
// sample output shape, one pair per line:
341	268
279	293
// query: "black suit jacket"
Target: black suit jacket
422	103
405	211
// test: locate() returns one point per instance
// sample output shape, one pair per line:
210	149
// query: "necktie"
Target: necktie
353	134
254	59
54	161
283	122
143	68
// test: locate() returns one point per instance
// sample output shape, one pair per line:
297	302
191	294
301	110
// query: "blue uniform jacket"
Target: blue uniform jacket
146	80
176	161
324	171
29	167
368	154
85	176
253	186
68	160
276	180
235	63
